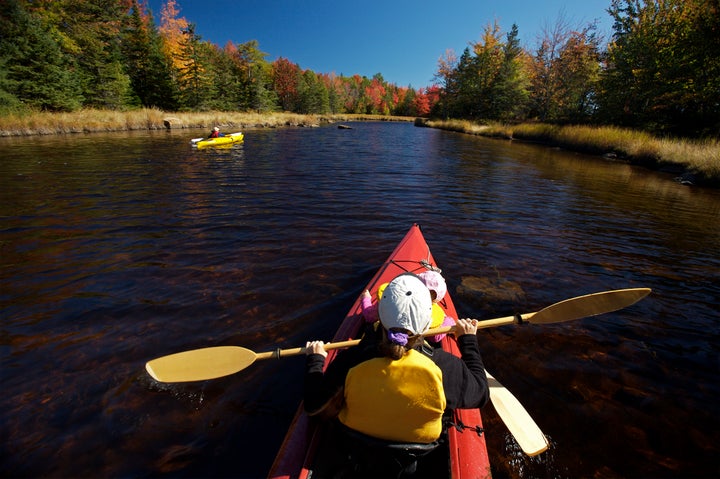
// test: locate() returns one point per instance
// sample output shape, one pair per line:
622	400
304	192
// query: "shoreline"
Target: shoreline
99	121
695	163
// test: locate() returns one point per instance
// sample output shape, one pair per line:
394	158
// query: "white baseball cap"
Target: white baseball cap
406	304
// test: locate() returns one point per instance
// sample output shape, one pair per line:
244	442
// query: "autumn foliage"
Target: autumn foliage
112	54
658	72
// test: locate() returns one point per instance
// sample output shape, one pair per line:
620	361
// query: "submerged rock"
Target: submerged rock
687	178
495	291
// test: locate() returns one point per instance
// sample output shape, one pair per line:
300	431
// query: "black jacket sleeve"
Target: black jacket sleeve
321	387
464	379
317	392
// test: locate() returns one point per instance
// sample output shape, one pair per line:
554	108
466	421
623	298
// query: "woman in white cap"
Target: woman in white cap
394	389
215	133
435	283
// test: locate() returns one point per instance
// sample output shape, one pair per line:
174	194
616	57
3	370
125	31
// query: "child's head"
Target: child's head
435	283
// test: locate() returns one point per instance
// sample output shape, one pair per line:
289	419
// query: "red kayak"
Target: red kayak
467	455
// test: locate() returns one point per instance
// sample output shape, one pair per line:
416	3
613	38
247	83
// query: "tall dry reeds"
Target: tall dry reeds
701	156
48	123
697	156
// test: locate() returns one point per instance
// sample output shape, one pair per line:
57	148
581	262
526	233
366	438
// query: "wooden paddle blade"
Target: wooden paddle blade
200	364
518	421
589	305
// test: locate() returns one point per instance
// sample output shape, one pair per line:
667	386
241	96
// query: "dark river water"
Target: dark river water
119	248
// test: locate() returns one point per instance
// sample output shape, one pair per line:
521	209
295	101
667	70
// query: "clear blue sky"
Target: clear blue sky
401	39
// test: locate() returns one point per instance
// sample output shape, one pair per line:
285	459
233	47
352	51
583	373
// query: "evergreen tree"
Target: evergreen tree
93	29
226	79
148	67
8	101
466	88
508	93
195	76
334	97
37	72
312	94
257	78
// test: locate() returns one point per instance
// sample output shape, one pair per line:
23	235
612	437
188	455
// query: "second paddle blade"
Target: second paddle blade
518	421
589	305
200	364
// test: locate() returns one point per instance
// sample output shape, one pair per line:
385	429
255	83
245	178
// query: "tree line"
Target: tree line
63	55
659	71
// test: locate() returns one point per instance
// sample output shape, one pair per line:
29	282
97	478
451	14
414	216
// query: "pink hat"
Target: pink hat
434	282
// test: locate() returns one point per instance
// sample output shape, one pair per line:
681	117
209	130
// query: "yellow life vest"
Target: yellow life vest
397	400
438	316
380	290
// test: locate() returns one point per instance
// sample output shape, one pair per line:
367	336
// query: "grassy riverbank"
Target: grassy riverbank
694	161
89	121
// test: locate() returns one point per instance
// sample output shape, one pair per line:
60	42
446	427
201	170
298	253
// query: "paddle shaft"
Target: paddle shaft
573	308
218	361
281	353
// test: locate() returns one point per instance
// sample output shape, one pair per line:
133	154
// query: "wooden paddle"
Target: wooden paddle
218	361
214	362
575	308
518	421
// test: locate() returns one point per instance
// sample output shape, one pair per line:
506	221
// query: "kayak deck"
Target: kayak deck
465	451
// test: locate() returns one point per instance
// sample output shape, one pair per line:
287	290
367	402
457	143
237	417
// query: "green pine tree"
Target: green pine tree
37	72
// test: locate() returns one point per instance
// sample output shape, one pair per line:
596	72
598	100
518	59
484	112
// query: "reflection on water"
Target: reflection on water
118	248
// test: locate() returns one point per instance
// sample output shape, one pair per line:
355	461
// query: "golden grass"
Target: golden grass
46	123
697	156
462	126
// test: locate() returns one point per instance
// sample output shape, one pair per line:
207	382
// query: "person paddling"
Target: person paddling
436	284
397	389
215	133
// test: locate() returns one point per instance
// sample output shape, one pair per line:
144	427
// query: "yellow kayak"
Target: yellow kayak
220	141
